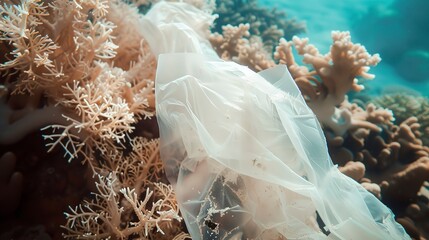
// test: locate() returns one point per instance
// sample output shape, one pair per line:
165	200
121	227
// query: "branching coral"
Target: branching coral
396	164
355	133
83	73
116	209
73	65
324	85
233	44
332	76
108	215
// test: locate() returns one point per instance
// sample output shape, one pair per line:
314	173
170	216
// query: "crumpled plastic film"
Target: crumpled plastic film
246	156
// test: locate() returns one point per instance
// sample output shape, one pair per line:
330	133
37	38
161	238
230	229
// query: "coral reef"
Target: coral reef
82	72
237	44
395	159
269	24
332	76
405	106
382	135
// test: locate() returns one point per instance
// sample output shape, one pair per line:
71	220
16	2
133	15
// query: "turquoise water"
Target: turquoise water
397	29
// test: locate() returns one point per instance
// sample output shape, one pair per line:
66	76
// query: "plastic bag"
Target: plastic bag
246	156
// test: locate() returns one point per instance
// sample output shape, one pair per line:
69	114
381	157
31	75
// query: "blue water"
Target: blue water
397	29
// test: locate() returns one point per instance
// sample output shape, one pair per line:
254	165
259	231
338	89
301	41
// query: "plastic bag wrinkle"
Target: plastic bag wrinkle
246	156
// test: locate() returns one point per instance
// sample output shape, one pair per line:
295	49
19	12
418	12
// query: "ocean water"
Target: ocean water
396	29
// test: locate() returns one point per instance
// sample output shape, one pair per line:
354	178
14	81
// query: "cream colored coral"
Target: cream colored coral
331	77
67	52
234	44
108	214
90	73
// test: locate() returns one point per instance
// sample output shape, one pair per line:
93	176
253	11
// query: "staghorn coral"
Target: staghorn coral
90	102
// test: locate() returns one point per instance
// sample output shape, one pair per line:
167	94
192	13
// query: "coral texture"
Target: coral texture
381	134
404	106
82	71
84	74
331	77
269	24
234	44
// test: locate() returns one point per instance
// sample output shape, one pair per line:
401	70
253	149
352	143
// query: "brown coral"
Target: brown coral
404	106
405	184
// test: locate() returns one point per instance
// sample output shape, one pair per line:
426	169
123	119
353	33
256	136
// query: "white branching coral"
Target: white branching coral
129	199
83	73
102	115
141	166
119	213
66	52
32	51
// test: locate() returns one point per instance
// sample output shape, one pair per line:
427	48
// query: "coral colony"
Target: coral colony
194	120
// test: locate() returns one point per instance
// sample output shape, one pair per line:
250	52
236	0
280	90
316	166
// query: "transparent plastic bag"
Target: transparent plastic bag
246	156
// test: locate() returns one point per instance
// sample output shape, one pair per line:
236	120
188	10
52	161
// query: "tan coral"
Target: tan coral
355	170
332	76
59	54
228	43
234	44
92	76
104	216
405	106
404	185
